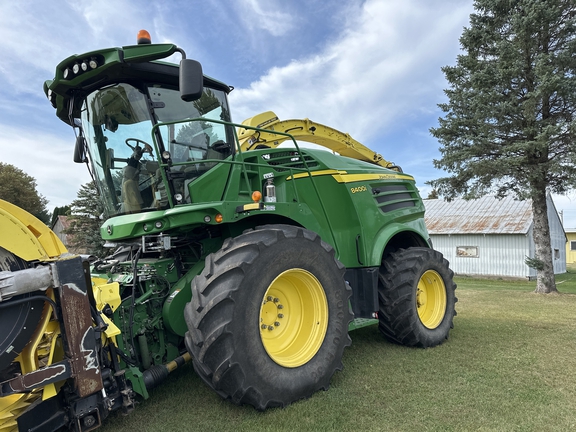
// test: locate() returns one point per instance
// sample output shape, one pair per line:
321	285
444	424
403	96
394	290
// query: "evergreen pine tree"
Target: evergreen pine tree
59	211
85	222
509	124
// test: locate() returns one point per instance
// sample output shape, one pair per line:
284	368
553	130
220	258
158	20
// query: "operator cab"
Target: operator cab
147	144
149	127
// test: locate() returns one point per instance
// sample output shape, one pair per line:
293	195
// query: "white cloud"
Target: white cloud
258	15
48	159
377	70
110	21
378	64
385	66
35	35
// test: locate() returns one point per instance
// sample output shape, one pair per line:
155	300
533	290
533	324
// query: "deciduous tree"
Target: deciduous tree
19	188
509	124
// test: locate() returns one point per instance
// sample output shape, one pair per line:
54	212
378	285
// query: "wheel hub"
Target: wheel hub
431	299
421	298
293	318
271	313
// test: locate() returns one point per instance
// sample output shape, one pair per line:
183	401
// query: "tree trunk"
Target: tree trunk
545	282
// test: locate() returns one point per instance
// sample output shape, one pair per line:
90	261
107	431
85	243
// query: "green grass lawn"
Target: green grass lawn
510	364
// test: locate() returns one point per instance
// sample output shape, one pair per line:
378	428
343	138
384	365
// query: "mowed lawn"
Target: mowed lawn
509	364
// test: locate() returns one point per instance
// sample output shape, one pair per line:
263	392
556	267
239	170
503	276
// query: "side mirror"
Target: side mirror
80	150
191	80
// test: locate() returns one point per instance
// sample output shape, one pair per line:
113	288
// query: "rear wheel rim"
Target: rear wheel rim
431	299
293	318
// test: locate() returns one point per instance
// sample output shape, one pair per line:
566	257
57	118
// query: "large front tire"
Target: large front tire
268	320
416	297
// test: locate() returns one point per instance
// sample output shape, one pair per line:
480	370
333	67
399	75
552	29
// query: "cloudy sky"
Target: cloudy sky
370	68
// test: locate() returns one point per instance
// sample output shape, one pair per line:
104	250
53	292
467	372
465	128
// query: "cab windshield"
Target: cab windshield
132	177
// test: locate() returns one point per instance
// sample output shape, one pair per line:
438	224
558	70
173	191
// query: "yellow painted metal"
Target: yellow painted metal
316	174
350	178
112	330
11	407
26	236
431	299
293	318
55	352
344	177
28	358
304	130
107	294
39	352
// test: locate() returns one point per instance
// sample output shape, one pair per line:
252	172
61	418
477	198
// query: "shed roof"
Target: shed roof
63	221
486	215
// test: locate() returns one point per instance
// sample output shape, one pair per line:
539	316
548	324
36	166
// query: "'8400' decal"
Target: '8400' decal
358	189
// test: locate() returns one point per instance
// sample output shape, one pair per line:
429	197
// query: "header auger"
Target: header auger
251	259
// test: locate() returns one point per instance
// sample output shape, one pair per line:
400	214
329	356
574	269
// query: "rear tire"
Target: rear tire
416	297
268	320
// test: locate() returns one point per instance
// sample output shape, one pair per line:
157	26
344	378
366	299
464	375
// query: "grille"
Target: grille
283	161
393	197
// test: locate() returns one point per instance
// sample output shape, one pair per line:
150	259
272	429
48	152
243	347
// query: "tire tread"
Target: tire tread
209	331
398	317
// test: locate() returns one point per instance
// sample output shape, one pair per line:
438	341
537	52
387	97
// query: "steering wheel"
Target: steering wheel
147	147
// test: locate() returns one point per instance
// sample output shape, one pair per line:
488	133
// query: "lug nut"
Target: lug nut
280	315
263	326
269	298
276	299
270	328
276	323
280	307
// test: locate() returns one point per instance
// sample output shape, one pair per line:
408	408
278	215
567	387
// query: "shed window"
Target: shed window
467	251
573	245
556	253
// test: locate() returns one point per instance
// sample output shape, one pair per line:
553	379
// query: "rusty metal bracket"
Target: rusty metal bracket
38	378
79	334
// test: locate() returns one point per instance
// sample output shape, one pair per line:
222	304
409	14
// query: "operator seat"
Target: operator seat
131	198
214	150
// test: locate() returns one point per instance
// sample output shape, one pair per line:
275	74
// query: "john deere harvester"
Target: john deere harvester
251	258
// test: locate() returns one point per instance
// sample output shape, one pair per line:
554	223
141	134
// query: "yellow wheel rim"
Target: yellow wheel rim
431	299
293	318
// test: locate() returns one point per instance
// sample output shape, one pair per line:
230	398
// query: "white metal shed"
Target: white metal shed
491	237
